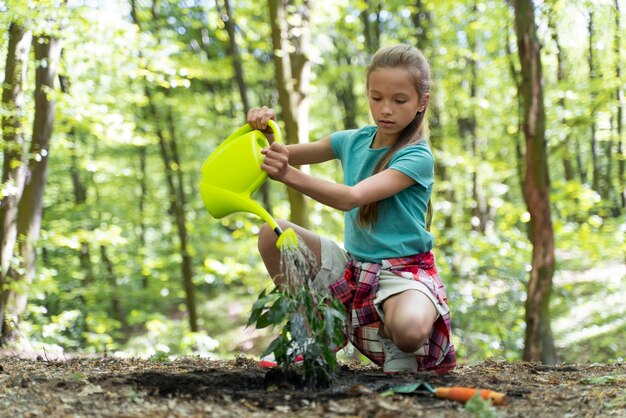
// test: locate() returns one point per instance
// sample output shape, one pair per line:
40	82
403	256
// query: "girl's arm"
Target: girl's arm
372	189
311	153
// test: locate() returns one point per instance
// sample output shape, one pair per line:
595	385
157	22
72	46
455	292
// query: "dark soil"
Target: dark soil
192	387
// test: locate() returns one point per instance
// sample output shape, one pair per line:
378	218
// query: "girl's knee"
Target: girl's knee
268	251
267	240
267	233
412	335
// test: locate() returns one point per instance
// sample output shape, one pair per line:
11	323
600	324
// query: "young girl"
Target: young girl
386	277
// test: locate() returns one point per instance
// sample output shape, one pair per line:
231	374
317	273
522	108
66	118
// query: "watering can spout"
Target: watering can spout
221	202
232	173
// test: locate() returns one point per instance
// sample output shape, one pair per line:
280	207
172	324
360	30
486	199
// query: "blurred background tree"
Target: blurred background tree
127	259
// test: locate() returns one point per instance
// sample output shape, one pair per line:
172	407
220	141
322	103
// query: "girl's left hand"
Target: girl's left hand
276	161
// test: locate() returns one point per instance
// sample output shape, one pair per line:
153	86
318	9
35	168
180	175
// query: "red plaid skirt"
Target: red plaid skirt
357	291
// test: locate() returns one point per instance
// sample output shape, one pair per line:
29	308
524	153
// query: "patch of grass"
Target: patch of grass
160	357
603	380
617	403
78	377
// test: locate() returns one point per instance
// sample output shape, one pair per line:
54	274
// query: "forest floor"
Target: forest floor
196	387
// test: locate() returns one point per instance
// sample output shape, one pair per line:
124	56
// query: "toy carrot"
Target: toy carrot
464	394
454	393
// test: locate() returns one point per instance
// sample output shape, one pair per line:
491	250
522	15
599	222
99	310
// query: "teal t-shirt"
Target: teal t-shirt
401	227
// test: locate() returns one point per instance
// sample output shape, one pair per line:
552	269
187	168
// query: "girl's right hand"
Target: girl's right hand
276	161
257	118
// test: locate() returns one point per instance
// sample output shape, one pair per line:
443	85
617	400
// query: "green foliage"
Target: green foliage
311	327
481	408
160	357
408	388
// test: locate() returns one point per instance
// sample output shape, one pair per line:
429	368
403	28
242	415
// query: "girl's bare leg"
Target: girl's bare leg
409	318
271	255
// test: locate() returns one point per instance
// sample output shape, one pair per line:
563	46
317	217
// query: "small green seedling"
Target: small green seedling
480	407
311	327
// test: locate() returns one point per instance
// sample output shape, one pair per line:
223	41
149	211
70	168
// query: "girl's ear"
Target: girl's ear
424	102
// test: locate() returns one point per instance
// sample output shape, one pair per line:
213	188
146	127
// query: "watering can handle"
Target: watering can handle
278	137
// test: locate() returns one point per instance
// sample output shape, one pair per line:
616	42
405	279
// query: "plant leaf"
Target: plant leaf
409	388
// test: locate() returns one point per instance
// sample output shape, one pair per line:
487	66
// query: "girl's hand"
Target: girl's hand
276	161
257	118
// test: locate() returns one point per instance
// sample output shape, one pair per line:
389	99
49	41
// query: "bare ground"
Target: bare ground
194	387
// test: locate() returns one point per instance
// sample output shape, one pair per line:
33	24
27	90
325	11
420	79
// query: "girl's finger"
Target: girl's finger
276	156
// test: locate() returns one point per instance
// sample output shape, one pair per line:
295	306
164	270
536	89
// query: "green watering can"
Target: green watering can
232	173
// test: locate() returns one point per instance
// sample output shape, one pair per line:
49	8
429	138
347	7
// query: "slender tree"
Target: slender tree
566	159
619	123
422	18
371	27
116	310
174	177
468	127
79	188
595	158
30	208
13	168
141	203
229	23
293	73
539	342
343	87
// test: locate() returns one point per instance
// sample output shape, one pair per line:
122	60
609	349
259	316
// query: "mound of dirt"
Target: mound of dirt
193	387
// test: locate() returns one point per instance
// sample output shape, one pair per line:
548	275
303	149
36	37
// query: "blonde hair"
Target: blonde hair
411	59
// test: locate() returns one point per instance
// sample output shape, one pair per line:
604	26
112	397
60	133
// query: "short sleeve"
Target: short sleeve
338	142
417	162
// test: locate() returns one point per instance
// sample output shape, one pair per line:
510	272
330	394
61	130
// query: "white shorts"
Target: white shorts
333	263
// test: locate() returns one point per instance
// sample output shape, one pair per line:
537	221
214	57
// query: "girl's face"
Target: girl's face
393	100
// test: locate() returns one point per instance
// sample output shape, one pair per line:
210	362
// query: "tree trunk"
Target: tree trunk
566	155
619	96
519	152
345	95
30	208
80	198
117	312
595	163
181	222
141	199
371	30
292	73
13	170
343	87
467	129
229	22
422	20
539	342
173	177
175	184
